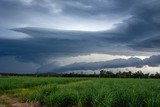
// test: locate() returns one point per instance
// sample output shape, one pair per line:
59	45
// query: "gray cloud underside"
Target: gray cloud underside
23	12
153	61
134	36
46	43
9	64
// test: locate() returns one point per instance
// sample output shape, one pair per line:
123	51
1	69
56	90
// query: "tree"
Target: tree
157	75
109	74
102	73
146	75
119	74
138	74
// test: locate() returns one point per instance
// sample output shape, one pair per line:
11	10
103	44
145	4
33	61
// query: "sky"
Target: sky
79	35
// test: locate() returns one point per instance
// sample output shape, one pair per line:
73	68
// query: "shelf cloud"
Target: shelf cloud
34	31
153	61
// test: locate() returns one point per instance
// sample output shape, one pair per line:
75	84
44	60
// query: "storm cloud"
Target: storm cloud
34	31
153	61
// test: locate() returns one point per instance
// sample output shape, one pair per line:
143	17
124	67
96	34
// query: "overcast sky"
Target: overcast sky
69	35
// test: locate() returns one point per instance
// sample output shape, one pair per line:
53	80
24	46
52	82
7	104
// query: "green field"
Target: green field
80	92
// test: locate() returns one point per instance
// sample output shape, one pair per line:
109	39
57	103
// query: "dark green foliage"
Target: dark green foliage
138	74
30	82
103	73
89	92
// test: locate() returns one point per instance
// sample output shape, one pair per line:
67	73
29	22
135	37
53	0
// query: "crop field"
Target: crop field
78	92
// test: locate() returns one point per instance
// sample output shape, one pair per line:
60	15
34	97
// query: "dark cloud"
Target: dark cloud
136	35
30	12
150	45
153	61
45	43
94	8
117	63
10	65
142	29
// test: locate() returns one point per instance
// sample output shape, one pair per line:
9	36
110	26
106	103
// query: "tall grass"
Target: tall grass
29	82
97	93
102	93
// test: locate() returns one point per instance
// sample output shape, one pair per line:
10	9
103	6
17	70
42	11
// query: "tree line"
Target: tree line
129	74
102	74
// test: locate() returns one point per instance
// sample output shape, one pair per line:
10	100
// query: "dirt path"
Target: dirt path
13	102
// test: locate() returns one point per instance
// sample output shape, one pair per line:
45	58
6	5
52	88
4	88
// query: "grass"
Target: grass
2	101
83	92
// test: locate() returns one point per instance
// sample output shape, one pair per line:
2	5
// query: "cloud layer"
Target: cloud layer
33	31
153	61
